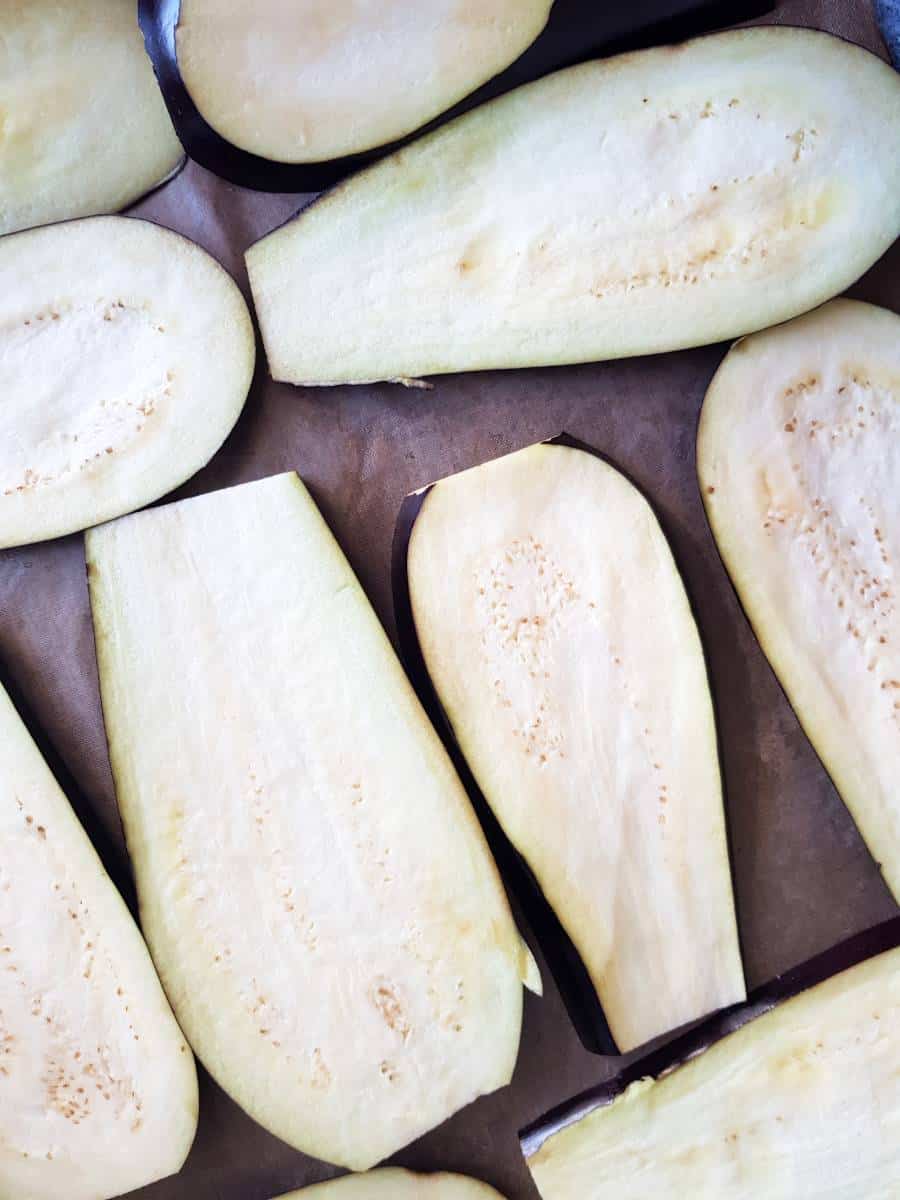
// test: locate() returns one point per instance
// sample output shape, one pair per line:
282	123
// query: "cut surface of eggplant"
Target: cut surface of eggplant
800	1103
98	1091
319	79
126	353
662	199
558	636
396	1184
314	887
84	127
799	465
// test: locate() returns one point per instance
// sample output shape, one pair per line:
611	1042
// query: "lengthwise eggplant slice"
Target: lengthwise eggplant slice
650	202
794	1097
557	634
83	127
799	464
126	353
394	1184
315	80
98	1091
314	886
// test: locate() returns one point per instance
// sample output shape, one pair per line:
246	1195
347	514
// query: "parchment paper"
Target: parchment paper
802	875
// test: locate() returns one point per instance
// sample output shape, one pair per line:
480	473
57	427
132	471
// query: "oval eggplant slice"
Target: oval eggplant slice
799	463
315	80
396	1184
314	886
795	1096
98	1091
659	200
126	353
83	127
556	630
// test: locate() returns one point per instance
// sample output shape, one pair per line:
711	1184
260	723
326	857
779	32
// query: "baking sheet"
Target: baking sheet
803	877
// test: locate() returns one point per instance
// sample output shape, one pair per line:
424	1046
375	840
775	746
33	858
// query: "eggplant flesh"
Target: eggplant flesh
83	127
397	1184
126	354
320	79
315	889
98	1091
662	199
556	631
802	1103
799	465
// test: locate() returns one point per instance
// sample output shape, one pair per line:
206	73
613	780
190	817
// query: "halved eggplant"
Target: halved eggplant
319	79
98	1091
314	886
799	464
795	1096
397	1184
650	202
126	354
558	636
83	127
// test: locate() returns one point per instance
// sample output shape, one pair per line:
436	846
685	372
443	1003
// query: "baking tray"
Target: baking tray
803	877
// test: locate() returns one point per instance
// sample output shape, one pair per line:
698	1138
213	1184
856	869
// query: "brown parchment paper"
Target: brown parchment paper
802	875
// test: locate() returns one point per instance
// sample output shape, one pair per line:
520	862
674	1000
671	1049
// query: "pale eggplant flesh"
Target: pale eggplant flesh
795	1096
311	80
315	889
799	465
98	1090
559	640
658	200
396	1184
126	354
83	127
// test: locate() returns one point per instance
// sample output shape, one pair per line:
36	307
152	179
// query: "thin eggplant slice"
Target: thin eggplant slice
654	201
83	127
559	639
126	354
315	889
318	79
795	1097
799	464
98	1091
396	1184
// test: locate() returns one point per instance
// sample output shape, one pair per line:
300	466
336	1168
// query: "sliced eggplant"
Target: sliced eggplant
795	1096
126	354
83	127
315	889
558	636
799	464
98	1091
318	79
396	1184
654	201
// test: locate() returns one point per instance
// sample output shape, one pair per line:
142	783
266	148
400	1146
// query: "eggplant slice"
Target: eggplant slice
83	127
397	1184
799	464
795	1097
98	1091
316	892
658	200
126	354
310	80
558	636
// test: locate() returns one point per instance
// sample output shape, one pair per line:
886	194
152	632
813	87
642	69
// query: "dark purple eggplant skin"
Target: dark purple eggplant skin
569	973
850	953
577	30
